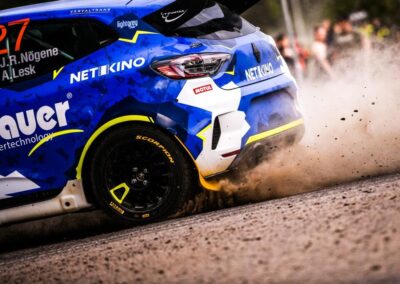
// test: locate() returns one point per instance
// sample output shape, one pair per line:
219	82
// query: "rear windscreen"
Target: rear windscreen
204	19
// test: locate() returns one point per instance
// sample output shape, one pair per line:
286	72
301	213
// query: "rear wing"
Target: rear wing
238	6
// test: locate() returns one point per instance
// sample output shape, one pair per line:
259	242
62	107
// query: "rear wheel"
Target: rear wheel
138	174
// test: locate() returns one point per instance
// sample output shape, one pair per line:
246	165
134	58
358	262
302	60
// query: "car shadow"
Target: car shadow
55	230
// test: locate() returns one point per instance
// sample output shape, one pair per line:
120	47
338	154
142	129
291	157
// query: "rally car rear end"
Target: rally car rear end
235	72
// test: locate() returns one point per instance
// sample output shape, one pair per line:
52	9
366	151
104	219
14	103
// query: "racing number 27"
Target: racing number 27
3	33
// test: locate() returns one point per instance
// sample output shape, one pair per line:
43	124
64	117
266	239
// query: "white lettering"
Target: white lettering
26	123
259	72
127	24
45	118
61	111
8	128
104	70
28	126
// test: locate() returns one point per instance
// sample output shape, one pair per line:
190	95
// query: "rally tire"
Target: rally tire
138	174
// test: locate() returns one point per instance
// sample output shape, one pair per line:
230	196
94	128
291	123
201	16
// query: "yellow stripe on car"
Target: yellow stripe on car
51	137
202	133
275	131
136	36
232	73
57	72
212	186
101	130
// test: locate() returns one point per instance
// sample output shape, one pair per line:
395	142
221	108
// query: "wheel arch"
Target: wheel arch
111	125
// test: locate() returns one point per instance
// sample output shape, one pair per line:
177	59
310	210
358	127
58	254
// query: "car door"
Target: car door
41	114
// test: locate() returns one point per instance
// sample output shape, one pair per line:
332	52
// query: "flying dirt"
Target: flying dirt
353	132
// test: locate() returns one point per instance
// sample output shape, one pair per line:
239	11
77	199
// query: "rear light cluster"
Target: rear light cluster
191	66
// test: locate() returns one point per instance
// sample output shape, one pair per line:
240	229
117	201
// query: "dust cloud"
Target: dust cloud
352	132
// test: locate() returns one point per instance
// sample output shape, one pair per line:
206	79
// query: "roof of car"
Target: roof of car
63	5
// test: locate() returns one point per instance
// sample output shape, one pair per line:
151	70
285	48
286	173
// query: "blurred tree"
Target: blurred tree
267	14
387	10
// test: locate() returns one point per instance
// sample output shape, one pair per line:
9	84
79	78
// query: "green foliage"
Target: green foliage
274	11
267	13
388	10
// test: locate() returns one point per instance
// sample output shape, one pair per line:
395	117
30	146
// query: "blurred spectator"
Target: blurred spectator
320	67
346	40
377	33
330	37
286	50
337	46
283	44
304	56
381	32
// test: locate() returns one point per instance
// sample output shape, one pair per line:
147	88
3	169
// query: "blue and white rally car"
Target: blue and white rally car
124	105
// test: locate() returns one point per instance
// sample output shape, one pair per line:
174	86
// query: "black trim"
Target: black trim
256	52
216	134
238	6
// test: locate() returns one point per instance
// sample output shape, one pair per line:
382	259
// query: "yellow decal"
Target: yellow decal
212	186
232	73
136	36
121	186
202	134
159	145
275	131
57	72
101	130
117	208
51	137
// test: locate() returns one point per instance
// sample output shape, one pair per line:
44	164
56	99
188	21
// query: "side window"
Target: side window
29	49
203	19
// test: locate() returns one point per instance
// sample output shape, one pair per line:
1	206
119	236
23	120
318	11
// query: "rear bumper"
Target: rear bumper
268	143
274	121
243	118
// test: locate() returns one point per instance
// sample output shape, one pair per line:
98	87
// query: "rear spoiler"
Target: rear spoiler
238	6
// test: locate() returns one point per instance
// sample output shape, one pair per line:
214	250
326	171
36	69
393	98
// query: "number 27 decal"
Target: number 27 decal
3	33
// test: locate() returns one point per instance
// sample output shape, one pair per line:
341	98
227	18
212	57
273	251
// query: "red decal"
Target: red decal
203	89
24	24
3	32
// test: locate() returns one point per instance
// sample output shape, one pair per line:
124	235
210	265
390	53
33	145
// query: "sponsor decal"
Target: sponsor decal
170	17
13	73
23	142
90	11
28	57
159	145
15	183
27	123
259	72
3	34
203	89
8	61
128	24
105	70
14	64
117	208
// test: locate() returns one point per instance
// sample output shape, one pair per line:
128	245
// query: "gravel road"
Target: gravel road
345	234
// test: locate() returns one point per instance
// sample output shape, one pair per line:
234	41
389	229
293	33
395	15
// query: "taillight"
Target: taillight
191	66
